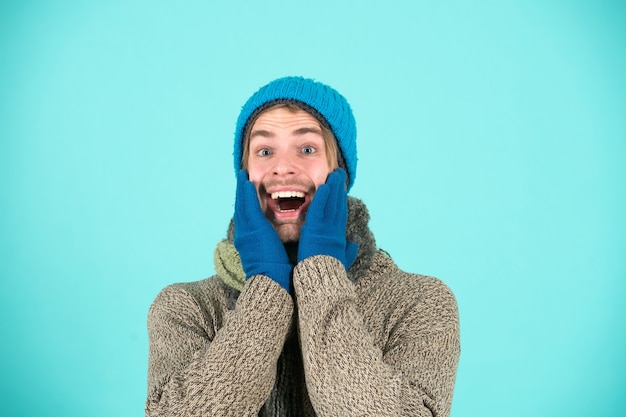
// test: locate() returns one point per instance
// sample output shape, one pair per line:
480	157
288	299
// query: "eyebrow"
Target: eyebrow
300	131
262	133
305	130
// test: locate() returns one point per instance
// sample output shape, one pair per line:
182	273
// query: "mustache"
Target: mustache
307	186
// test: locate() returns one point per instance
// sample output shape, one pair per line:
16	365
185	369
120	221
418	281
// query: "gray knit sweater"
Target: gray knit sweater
375	341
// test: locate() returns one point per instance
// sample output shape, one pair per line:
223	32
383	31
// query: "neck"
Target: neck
292	251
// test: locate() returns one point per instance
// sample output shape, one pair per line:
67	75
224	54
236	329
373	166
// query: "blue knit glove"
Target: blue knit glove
324	230
260	249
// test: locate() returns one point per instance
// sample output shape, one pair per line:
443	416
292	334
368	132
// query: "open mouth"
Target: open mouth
288	201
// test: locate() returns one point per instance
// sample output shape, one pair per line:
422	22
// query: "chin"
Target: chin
288	233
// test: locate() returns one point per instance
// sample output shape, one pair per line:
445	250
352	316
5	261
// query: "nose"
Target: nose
284	165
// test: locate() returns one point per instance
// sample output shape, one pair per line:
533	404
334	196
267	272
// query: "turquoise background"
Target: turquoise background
491	140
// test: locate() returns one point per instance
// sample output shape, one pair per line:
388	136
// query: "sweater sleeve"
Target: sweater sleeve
198	367
403	365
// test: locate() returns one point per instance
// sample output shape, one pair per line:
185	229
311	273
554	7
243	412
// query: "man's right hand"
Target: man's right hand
260	249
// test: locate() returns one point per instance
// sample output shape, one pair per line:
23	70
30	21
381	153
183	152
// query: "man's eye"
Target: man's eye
308	150
264	152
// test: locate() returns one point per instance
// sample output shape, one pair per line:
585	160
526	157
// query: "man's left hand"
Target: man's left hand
324	230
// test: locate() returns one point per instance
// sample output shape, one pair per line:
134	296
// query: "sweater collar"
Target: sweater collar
228	264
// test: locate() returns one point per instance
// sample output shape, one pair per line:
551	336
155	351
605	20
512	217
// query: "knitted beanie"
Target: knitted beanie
322	101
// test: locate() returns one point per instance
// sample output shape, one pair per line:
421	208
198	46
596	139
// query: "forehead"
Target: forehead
284	118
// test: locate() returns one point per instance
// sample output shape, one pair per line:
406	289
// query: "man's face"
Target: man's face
287	162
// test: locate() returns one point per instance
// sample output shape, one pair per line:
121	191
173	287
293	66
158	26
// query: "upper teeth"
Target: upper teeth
287	194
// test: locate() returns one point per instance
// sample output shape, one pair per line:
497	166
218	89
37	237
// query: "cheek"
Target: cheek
255	174
319	175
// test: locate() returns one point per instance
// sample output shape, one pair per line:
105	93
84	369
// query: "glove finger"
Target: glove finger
242	178
337	177
317	207
247	207
337	203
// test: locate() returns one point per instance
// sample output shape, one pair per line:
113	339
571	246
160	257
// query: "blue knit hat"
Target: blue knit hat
322	101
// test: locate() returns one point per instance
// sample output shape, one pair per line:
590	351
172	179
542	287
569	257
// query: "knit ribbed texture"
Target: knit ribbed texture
326	101
388	346
207	360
